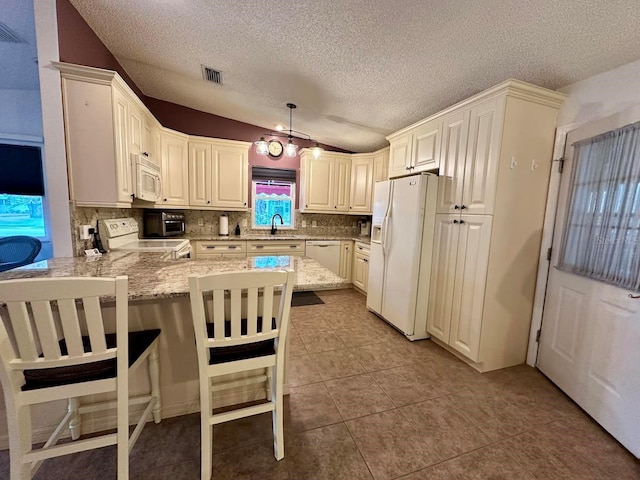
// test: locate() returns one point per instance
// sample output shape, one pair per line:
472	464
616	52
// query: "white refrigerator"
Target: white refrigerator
402	230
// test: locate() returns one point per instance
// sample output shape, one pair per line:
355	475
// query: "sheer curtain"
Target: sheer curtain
601	238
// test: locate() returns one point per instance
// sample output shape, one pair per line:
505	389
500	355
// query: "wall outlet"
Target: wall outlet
244	222
201	222
85	232
304	223
314	224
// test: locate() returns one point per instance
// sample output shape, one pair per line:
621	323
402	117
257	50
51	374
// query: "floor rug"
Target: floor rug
300	299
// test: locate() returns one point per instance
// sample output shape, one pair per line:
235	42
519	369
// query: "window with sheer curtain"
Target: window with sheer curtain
601	237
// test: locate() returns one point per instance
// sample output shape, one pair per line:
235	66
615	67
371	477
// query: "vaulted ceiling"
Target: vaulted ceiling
357	69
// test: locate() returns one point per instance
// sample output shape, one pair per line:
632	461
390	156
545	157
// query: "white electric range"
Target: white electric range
122	234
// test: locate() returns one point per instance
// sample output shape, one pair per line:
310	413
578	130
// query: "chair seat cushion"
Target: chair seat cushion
54	377
244	351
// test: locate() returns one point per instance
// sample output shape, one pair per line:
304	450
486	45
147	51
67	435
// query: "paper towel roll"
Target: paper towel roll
224	226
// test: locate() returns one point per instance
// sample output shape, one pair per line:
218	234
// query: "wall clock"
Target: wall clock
275	148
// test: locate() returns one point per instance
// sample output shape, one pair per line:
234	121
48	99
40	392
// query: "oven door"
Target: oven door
172	228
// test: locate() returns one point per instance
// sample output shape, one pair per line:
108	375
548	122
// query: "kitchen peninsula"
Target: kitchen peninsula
159	298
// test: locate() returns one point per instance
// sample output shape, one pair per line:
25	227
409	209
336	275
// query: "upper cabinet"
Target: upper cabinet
218	172
97	108
361	191
416	150
325	182
174	169
381	165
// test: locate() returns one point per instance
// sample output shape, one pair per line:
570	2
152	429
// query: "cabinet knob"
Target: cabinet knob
456	221
461	222
365	260
463	207
456	207
335	206
208	201
350	207
407	168
145	154
245	204
164	200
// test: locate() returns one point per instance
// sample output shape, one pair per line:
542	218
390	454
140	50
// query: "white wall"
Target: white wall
20	113
55	163
601	95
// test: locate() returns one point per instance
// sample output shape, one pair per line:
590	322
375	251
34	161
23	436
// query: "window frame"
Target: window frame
253	204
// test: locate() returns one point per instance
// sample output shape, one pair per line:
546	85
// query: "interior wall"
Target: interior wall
601	95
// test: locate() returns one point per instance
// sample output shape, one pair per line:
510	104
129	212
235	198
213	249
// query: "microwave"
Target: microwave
163	224
146	179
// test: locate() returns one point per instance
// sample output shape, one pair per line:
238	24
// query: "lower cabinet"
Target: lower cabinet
346	246
360	273
214	249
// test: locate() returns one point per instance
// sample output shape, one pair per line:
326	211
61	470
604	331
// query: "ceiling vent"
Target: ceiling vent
212	75
9	36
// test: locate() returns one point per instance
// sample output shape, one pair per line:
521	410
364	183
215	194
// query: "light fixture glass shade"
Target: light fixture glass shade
291	149
317	150
262	147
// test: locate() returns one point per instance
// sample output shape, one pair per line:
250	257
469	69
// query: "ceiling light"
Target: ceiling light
290	149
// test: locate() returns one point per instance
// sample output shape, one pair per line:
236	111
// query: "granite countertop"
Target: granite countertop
278	236
151	277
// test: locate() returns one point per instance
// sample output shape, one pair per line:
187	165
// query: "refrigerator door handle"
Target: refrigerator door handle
385	223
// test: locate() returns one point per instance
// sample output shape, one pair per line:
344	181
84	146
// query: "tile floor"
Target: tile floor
366	403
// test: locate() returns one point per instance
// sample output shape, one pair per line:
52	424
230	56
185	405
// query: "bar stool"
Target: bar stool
231	343
45	357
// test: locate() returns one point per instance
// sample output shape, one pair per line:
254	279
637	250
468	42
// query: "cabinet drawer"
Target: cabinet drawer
362	249
275	247
219	248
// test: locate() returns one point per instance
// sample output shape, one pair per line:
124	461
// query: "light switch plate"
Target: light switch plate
314	223
244	222
304	223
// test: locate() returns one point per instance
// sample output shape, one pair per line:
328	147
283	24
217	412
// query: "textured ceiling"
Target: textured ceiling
357	69
18	60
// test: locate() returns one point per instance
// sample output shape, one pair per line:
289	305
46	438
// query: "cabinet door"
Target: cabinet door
200	174
230	188
341	185
319	183
136	129
481	165
400	156
346	247
443	272
469	288
151	140
360	271
175	170
452	159
381	166
361	191
426	147
121	134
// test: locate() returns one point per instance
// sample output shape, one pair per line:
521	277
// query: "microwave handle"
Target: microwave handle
160	190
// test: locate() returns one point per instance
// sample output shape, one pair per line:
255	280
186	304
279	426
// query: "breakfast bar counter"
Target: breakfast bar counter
151	277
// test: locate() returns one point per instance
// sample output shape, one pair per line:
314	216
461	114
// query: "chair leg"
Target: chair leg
269	383
206	430
74	422
154	377
19	425
277	416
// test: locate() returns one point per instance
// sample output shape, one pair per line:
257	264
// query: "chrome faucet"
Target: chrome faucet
273	224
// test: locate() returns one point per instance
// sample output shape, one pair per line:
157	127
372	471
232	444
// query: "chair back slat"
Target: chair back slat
267	309
21	324
43	319
236	311
95	326
218	314
71	326
252	311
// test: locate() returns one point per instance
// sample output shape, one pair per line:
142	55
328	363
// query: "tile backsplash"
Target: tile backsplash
205	222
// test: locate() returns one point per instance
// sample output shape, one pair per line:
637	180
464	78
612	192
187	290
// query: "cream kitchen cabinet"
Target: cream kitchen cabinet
415	150
325	182
495	163
360	272
218	172
276	247
346	249
151	144
96	111
219	249
361	191
174	169
381	165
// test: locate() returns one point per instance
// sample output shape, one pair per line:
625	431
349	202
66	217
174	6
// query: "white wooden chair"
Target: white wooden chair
229	343
46	358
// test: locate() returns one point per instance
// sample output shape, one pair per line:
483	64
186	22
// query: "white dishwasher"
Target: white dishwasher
326	253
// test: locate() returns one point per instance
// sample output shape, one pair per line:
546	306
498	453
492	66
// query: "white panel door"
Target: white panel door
319	183
468	292
400	156
121	132
175	170
361	191
200	174
591	330
341	184
452	158
136	129
426	147
443	272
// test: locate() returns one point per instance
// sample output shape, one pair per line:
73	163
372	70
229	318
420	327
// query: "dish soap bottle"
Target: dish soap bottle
237	232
